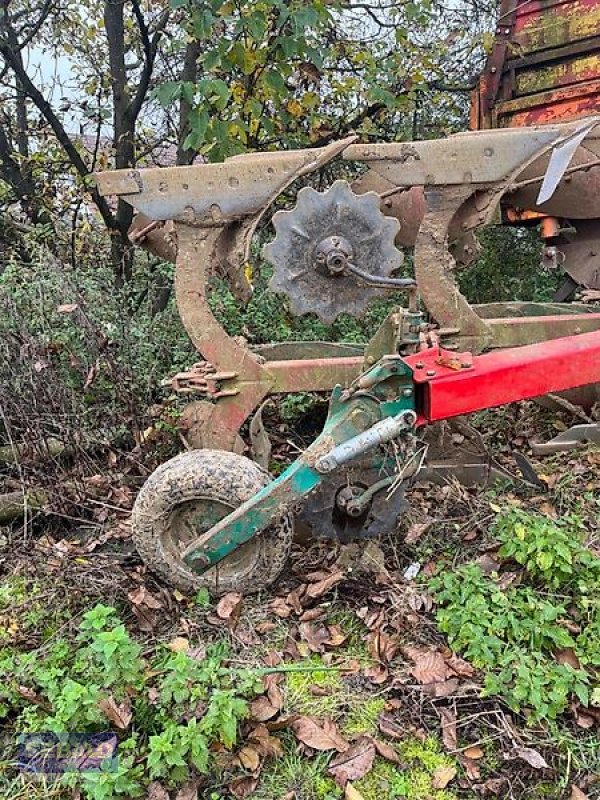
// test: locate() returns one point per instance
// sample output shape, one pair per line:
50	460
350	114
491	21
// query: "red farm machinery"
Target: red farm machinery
213	517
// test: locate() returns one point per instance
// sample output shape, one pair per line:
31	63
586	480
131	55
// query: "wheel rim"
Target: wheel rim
191	519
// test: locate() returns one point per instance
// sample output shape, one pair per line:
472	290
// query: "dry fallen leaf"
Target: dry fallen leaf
355	762
448	720
267	745
142	596
274	693
249	758
584	720
311	614
243	787
577	794
319	734
279	607
318	589
261	709
471	767
488	564
429	664
67	308
119	714
350	793
266	627
381	646
459	666
229	606
294	599
442	688
532	757
389	727
189	790
315	636
156	791
179	644
568	656
31	695
377	674
336	636
417	530
385	750
442	776
493	786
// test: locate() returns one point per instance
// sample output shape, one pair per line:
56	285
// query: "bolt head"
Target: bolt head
430	373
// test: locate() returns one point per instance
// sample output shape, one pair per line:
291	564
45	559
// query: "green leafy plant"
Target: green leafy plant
170	709
549	550
514	632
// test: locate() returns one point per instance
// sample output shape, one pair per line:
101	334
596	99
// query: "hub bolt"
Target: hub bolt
333	254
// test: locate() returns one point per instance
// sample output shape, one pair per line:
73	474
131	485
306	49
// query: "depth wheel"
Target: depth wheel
184	498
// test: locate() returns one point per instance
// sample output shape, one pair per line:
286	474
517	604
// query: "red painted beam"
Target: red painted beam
502	376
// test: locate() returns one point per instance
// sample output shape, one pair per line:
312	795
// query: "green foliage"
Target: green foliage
266	318
202	598
299	699
295	405
514	633
508	268
550	551
180	707
294	73
24	595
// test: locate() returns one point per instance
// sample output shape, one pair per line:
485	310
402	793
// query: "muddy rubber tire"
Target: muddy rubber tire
205	485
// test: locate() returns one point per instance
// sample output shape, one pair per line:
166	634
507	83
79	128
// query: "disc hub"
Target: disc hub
332	255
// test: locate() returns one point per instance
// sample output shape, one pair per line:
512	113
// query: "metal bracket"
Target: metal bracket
202	379
568	440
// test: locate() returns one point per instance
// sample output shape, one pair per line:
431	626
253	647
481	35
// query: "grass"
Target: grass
300	697
413	781
306	778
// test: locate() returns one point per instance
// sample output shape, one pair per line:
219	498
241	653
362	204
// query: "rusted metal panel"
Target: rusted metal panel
550	23
544	66
543	108
315	374
577	70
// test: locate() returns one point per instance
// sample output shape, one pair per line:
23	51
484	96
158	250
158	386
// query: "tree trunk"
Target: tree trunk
189	73
123	136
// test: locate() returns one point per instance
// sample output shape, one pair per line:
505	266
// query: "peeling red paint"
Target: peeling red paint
544	67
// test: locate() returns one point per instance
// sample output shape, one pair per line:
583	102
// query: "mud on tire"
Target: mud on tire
185	497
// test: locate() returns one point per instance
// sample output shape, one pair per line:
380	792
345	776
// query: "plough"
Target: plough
213	517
